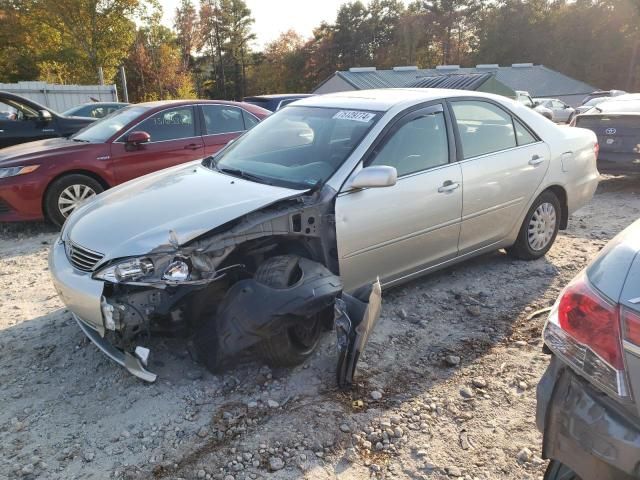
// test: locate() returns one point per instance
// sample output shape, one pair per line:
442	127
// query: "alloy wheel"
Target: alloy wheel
72	196
542	226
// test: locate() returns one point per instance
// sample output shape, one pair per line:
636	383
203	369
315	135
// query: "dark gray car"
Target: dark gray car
589	397
616	123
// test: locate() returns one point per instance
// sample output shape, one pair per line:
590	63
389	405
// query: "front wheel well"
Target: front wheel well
88	173
561	195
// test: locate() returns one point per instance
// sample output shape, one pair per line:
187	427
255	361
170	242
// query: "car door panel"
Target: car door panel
13	132
394	231
498	187
503	164
133	161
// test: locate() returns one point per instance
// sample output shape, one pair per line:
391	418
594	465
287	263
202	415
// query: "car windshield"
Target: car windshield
103	129
297	147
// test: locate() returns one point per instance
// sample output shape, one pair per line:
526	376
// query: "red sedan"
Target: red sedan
50	178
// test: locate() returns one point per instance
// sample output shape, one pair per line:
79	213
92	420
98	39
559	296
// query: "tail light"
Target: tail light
586	330
596	149
631	329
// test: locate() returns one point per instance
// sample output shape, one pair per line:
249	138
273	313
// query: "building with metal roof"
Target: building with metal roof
538	80
479	82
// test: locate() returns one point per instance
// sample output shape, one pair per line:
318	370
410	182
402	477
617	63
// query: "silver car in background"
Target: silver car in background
254	247
562	112
588	399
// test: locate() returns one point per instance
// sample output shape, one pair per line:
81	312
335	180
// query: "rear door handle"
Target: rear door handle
536	160
448	186
193	146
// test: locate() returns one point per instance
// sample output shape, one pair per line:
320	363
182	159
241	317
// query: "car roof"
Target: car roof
385	98
177	103
101	103
278	96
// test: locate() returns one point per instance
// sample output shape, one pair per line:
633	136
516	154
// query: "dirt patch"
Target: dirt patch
447	382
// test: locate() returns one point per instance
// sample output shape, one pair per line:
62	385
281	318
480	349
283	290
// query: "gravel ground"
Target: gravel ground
447	384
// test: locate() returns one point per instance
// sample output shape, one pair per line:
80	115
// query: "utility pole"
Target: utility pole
632	67
123	80
100	76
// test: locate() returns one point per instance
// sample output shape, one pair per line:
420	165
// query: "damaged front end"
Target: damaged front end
209	290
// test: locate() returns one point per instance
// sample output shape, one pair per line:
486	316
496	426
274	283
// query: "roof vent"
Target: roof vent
448	67
409	68
362	69
487	65
522	65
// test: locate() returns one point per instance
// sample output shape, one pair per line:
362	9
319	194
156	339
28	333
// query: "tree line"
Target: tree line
210	51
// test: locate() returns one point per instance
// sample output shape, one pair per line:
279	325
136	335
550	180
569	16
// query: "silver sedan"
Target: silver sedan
305	212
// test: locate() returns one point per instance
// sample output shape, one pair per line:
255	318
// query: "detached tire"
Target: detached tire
539	228
297	343
559	471
66	193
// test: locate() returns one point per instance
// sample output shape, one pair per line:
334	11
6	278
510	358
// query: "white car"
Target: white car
321	199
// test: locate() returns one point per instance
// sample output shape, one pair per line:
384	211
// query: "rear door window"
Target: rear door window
250	121
171	124
483	127
523	136
220	119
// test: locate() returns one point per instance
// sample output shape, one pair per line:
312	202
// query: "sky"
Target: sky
273	17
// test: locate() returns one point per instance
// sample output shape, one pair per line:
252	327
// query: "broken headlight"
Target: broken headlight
129	270
177	271
169	269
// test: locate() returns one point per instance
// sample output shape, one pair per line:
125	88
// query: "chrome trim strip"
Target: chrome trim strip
497	152
632	348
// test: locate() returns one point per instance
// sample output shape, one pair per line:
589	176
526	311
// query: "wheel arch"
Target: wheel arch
98	178
561	195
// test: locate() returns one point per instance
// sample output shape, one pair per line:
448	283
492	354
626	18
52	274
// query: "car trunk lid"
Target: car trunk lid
617	133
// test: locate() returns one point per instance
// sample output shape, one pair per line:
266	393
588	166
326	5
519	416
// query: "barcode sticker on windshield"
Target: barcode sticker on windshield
364	117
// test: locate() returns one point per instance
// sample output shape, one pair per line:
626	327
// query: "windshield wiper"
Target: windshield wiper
236	172
80	140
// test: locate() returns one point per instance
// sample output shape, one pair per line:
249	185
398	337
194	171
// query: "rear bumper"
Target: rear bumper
615	162
583	429
20	200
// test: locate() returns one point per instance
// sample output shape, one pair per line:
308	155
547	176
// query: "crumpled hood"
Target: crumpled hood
36	149
137	217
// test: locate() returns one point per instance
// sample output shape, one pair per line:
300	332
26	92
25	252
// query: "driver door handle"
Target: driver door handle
536	160
192	146
448	186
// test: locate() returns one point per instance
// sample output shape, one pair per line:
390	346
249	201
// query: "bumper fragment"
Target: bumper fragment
355	318
125	359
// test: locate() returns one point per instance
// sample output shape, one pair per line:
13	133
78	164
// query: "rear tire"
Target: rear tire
559	471
66	193
295	344
539	228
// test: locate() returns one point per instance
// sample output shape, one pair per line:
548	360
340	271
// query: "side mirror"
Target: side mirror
44	116
374	177
137	138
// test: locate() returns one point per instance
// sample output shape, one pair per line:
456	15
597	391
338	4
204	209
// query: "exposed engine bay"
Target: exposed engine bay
269	280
